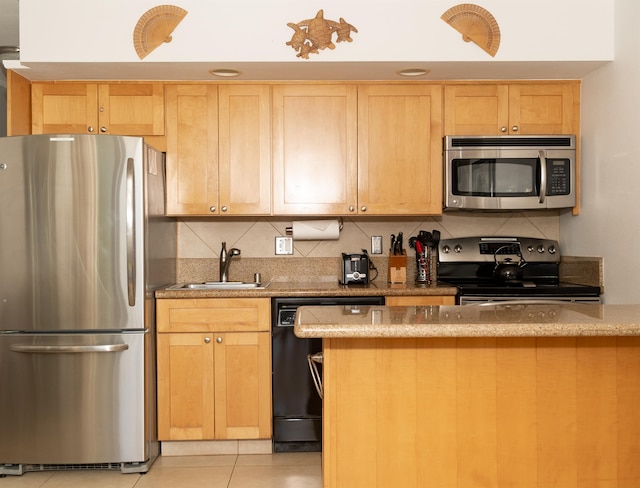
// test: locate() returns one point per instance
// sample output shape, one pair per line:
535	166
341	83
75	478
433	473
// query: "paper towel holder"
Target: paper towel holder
289	230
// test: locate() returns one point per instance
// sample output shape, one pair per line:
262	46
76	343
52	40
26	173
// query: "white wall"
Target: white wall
256	30
609	223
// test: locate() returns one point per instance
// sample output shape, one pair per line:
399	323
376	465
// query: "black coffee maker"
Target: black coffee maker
355	268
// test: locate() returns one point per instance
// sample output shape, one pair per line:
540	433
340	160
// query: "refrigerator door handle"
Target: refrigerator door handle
68	349
131	237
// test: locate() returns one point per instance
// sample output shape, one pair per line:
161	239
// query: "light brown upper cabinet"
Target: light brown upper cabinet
399	149
134	109
315	149
218	150
357	150
502	109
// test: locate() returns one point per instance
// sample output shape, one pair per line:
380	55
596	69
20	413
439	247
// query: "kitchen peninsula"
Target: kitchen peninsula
509	395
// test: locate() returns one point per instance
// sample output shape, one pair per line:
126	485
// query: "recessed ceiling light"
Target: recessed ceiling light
413	72
224	72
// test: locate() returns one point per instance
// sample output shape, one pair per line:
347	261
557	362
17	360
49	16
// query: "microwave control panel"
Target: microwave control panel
558	177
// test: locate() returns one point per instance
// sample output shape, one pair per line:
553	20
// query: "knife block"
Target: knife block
398	268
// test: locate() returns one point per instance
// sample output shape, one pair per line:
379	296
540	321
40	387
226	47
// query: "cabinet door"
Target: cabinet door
243	385
192	149
476	110
244	149
64	108
314	149
400	150
544	109
132	109
185	386
512	109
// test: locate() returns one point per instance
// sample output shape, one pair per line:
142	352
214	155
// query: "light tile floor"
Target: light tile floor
281	470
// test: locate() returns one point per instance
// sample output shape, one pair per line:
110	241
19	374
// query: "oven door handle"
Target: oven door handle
543	176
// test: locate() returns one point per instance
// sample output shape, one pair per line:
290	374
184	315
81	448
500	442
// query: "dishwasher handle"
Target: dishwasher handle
67	349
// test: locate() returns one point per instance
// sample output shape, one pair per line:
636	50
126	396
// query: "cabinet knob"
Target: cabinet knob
219	340
90	129
224	208
514	128
363	208
503	129
103	129
212	209
352	208
207	340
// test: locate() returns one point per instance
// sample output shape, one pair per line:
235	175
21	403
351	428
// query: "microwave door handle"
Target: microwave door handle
543	176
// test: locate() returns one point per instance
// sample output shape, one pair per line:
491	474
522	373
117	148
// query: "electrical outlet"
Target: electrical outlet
284	245
376	244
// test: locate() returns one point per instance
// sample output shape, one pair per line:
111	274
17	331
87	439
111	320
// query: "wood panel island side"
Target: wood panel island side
479	397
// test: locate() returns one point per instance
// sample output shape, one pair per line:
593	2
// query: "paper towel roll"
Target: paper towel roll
315	230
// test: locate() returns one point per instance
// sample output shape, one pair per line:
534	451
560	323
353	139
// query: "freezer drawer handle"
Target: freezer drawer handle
67	349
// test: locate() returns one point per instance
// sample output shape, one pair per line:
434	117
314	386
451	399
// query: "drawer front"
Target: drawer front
214	314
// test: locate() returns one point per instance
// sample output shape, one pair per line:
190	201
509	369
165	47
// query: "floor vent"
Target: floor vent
20	469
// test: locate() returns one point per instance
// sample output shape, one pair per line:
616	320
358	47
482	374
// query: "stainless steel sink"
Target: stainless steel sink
220	285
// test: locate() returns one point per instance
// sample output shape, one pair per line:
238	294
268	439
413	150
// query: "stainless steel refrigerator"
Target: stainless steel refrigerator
83	245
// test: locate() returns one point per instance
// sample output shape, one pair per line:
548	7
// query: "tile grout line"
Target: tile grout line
233	470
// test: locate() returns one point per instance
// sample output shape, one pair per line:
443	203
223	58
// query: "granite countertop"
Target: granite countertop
319	288
565	320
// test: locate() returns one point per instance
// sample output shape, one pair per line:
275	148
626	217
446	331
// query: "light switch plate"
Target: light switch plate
284	245
376	244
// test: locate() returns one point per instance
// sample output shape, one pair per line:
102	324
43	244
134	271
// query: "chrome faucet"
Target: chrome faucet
225	260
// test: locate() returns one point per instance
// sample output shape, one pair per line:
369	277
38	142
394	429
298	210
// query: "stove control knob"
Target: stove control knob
530	248
446	249
540	248
457	248
552	249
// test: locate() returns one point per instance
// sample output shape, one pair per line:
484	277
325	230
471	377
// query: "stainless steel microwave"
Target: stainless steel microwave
509	172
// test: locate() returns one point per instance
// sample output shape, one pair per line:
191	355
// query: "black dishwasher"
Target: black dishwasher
297	407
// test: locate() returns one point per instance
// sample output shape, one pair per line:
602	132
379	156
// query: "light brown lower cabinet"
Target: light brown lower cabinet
481	412
214	369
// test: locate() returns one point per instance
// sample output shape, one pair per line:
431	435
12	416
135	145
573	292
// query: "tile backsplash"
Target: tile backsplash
201	238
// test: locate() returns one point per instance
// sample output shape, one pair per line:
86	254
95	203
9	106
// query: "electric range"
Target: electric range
488	269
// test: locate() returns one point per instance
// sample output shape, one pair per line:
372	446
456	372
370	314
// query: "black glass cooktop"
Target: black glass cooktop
525	288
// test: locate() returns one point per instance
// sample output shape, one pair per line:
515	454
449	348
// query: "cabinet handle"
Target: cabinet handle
90	129
219	340
363	208
503	129
224	208
514	128
103	129
352	208
207	340
212	209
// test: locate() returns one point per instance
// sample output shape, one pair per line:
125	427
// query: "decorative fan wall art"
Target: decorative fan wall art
475	24
155	27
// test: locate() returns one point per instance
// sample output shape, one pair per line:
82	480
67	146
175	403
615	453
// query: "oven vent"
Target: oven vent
510	141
